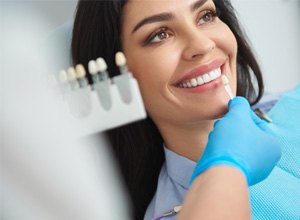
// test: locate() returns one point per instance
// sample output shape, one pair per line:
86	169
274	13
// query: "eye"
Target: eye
207	17
158	36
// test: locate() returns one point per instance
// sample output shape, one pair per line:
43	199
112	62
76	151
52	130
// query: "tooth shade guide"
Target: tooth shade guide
121	62
81	99
80	71
92	67
101	64
227	86
71	74
62	76
225	80
120	59
262	115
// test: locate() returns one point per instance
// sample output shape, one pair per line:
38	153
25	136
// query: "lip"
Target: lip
201	70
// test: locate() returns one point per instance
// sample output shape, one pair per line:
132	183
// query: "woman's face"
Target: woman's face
177	50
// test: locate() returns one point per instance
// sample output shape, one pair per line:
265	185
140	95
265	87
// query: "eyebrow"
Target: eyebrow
197	5
165	16
152	19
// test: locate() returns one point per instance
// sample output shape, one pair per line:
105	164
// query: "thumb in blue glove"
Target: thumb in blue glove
242	140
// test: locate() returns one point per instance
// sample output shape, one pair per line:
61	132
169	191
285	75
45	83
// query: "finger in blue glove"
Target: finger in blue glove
242	140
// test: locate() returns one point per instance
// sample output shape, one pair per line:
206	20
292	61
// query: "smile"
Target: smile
201	79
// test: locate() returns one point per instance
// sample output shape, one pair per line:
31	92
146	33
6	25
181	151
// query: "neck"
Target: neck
188	141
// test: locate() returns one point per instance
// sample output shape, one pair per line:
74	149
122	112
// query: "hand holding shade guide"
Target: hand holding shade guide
258	112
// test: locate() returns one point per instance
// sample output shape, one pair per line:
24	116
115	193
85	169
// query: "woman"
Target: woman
174	48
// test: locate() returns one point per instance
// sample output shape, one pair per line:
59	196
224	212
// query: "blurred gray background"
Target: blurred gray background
273	26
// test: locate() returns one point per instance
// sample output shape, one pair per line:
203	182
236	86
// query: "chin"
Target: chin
218	116
219	111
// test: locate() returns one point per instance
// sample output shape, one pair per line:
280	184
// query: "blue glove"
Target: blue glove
243	140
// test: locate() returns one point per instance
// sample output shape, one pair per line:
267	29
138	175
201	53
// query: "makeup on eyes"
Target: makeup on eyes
209	14
149	39
212	13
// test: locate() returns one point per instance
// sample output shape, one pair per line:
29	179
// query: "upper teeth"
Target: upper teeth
200	80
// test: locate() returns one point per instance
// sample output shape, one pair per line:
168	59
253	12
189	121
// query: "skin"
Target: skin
188	40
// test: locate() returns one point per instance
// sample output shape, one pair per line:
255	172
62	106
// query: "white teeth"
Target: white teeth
215	74
194	82
206	78
212	75
200	80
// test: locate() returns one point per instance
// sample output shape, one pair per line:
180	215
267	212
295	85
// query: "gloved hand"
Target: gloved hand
243	140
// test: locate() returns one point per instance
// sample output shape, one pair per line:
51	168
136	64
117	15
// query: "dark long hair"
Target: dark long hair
138	146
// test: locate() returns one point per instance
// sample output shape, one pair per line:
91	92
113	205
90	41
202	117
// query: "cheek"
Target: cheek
228	44
226	41
147	59
153	71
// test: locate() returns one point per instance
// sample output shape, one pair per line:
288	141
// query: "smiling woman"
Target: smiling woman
178	51
177	44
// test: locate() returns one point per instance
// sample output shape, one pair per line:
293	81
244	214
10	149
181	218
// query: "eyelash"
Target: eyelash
150	39
211	13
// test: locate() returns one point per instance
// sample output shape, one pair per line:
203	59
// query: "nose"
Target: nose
197	44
